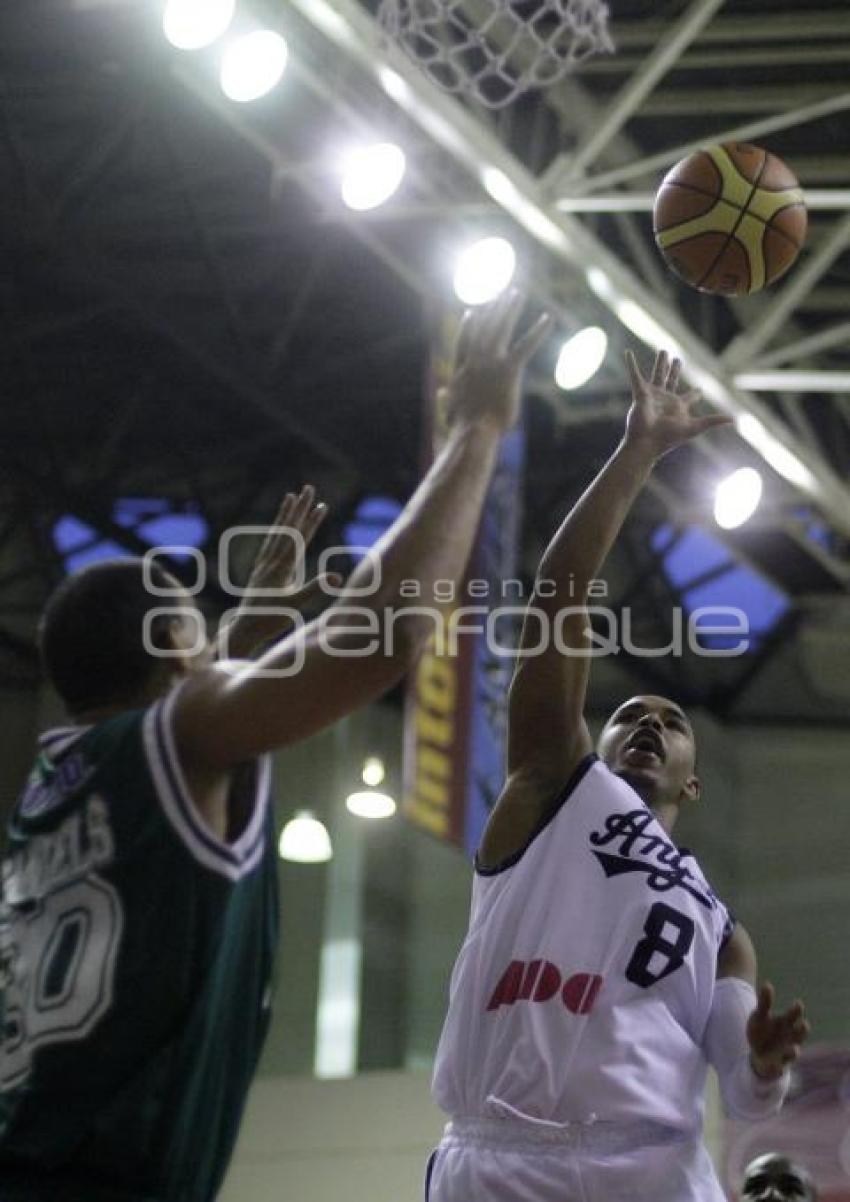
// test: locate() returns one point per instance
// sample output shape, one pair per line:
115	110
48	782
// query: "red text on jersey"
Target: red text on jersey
540	981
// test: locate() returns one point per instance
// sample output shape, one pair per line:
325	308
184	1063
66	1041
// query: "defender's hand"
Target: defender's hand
275	568
489	362
661	416
775	1039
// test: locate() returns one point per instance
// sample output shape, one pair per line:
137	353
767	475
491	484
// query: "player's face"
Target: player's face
649	742
774	1178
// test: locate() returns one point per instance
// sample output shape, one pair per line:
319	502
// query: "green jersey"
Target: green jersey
136	950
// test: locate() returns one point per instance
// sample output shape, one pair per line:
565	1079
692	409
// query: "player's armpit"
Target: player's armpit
525	803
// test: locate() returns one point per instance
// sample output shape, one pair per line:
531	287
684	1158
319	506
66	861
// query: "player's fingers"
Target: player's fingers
765	998
281	518
635	378
286	507
659	369
506	321
711	421
526	345
303	505
312	590
463	338
673	375
485	326
314	520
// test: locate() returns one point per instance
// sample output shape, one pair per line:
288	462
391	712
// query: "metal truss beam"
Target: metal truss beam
796	381
727	59
825	340
820	199
737	133
633	93
354	31
735	103
750	342
795	26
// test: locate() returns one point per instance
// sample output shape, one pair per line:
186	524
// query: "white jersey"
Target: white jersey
584	984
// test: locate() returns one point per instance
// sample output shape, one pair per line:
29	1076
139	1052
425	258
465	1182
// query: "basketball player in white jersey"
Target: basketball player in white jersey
600	974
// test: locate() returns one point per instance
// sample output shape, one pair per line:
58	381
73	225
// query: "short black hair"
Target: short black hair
90	634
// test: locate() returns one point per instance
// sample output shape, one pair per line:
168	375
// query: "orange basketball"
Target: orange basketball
730	219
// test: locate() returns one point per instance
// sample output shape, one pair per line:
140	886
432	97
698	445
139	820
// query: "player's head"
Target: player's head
649	742
92	636
775	1178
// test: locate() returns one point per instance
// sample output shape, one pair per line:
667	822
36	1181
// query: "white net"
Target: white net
494	50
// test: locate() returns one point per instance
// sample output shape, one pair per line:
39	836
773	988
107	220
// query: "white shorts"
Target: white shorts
503	1160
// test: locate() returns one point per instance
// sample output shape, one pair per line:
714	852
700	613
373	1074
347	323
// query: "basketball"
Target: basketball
730	219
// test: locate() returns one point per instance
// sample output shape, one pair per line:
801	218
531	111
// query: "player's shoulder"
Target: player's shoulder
68	762
528	804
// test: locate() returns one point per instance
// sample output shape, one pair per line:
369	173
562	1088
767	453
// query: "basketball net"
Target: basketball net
495	50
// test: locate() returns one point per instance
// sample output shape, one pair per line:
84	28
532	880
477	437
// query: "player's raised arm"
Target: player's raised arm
547	733
366	641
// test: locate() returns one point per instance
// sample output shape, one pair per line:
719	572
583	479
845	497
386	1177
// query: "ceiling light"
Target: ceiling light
191	24
373	771
253	64
372	175
305	840
737	498
581	357
484	270
369	804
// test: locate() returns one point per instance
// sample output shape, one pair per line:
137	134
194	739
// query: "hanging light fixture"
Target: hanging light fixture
373	771
305	840
368	803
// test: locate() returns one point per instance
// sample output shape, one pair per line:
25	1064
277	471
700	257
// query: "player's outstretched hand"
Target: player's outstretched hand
274	579
775	1039
662	414
489	362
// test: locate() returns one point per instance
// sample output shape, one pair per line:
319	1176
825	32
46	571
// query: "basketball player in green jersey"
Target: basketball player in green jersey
139	912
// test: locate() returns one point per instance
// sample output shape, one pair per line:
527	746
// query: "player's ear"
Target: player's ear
692	789
168	637
163	633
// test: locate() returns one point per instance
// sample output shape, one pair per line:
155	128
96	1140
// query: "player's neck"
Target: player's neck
665	811
157	688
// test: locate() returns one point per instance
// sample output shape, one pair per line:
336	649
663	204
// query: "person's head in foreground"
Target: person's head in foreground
649	742
95	628
775	1178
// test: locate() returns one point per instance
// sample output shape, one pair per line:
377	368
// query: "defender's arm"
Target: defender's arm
361	646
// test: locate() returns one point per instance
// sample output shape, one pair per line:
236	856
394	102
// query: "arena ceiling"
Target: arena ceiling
190	314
